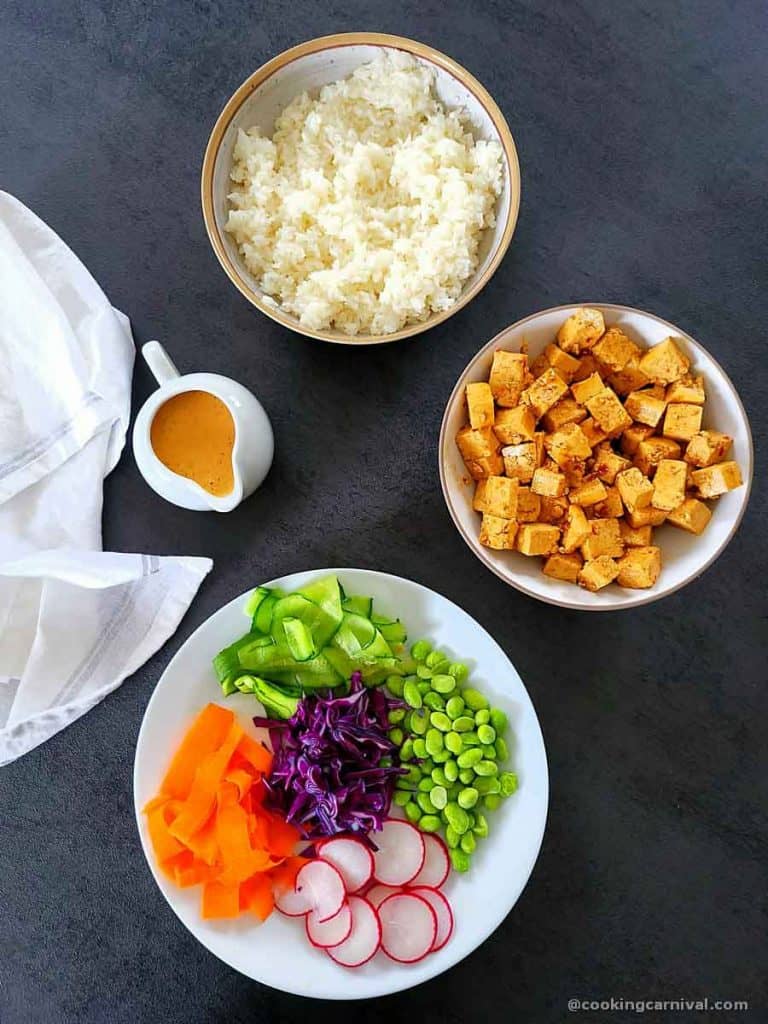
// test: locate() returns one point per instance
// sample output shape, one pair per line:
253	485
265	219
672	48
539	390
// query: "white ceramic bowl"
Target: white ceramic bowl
308	67
684	557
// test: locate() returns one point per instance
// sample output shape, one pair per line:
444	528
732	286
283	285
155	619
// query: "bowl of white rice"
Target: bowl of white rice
360	188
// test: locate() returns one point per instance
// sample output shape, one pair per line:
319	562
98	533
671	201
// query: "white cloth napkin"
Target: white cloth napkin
74	621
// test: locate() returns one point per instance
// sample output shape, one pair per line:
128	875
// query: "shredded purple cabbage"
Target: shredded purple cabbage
327	775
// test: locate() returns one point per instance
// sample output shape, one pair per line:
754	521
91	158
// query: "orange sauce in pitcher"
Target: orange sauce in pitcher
193	434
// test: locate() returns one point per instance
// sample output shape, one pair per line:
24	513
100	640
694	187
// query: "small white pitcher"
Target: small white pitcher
254	441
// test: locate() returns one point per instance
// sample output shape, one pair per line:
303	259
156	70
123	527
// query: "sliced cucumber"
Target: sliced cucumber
262	620
298	638
393	632
254	600
358	605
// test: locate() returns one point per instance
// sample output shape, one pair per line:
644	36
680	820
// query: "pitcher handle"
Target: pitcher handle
159	362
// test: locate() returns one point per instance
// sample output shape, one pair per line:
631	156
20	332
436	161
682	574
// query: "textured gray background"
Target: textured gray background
641	129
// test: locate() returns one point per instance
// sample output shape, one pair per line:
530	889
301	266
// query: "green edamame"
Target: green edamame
486	734
402	797
468	798
466	775
419	747
395	685
456	817
459	859
425	784
406	750
396	716
492	802
453	742
439	797
470	739
411	694
396	736
458	670
502	752
438	776
486	768
419	722
463	723
420	650
451	769
498	720
443	683
480	828
434	701
422	799
452	837
440	721
429	823
424	673
469	758
489	784
454	706
482	717
508	781
474	699
433	742
467	842
413	812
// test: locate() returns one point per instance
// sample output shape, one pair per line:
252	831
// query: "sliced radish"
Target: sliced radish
400	853
443	913
436	866
363	940
292	903
378	893
408	927
331	932
352	860
323	888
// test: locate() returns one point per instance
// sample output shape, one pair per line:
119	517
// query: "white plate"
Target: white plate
278	953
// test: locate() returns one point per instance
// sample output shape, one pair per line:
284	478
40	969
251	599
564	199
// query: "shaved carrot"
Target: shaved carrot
204	844
199	804
256	896
255	753
240	778
163	843
205	735
220	900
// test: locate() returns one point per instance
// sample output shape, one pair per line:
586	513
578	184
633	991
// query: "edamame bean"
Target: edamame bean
424	687
470	739
411	694
425	785
395	685
429	823
459	859
420	650
453	742
385	762
419	722
402	797
468	798
438	777
454	790
422	799
492	802
413	812
441	757
480	827
452	837
498	720
439	797
424	673
396	716
440	721
456	817
486	734
443	683
508	781
433	701
435	658
406	751
502	752
419	748
413	775
455	706
482	717
463	723
486	768
490	784
467	775
469	758
433	741
396	736
458	670
451	769
426	766
474	699
405	784
467	842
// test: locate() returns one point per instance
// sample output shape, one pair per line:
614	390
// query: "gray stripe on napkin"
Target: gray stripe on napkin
42	444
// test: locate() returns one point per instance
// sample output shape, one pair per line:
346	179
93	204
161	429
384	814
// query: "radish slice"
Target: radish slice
443	913
436	865
378	893
363	940
408	927
292	903
400	853
323	888
332	932
352	860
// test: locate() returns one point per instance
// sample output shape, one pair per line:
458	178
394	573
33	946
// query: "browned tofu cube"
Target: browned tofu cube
604	539
537	539
479	502
477	444
565	364
608	464
598	573
646	516
687	389
707	447
669	484
520	461
509	376
635	489
567	445
545	391
538	442
581	330
577	529
539	365
664	363
546	482
632	436
583	390
528	505
480	405
594	434
614	350
567	410
588	493
498	533
489	465
553	509
608	412
631	378
635	538
682	421
712	481
644	407
497	495
587	366
639	568
513	426
693	516
563	567
611	507
651	451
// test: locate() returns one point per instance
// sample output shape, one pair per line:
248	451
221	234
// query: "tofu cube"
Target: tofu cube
577	529
520	461
651	451
632	436
477	444
497	495
646	516
581	330
687	389
664	363
509	376
545	391
611	507
644	407
669	484
552	509
480	405
488	465
563	567
712	481
537	539
565	364
598	573
614	350
513	426
547	482
608	412
567	444
538	442
635	538
631	378
588	493
692	515
682	421
528	505
604	539
639	568
498	533
707	447
567	410
594	434
479	498
587	366
583	390
635	489
608	463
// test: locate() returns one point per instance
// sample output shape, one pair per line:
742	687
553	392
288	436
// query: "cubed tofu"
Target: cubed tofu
692	515
635	538
664	363
608	412
631	378
547	482
712	481
635	489
604	539
563	567
614	350
583	390
644	407
608	463
593	432
632	436
588	493
553	509
509	376
669	484
545	391
567	445
537	539
520	460
646	516
539	365
639	568
497	495
682	420
565	364
581	330
567	410
513	426
707	447
498	533
528	505
480	405
538	442
611	507
587	366
489	465
651	451
598	573
687	389
577	529
477	444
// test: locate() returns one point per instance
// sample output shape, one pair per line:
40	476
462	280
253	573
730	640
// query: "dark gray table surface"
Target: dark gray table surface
641	129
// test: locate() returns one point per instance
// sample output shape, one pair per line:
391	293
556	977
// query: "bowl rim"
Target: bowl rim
332	42
471	542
